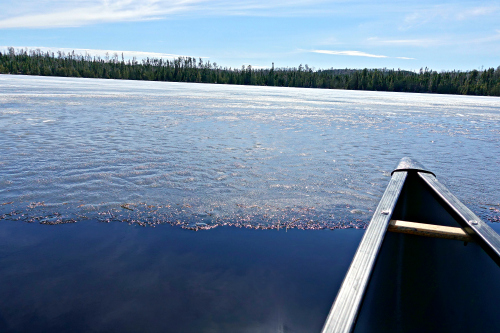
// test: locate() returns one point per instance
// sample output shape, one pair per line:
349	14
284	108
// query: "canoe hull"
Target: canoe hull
408	283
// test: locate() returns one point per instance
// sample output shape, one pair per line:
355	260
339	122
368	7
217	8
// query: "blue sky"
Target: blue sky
442	35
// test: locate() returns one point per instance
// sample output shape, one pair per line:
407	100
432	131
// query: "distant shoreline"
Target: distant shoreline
187	69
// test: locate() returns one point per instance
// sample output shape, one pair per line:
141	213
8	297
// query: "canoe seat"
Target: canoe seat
429	230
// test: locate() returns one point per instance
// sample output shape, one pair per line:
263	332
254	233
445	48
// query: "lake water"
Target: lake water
100	178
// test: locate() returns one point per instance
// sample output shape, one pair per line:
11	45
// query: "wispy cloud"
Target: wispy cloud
440	41
350	53
329	41
445	14
484	39
420	42
477	11
356	54
73	13
127	55
77	13
422	17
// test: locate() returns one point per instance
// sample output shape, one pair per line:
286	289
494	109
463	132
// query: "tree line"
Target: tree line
188	69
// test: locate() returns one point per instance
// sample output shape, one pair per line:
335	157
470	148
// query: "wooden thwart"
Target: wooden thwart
429	230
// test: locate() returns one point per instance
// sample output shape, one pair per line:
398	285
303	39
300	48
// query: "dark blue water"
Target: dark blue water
97	277
100	178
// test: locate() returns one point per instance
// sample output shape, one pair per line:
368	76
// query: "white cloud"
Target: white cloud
357	54
128	55
426	15
71	13
483	39
477	11
74	13
440	41
77	13
439	14
350	53
330	41
422	42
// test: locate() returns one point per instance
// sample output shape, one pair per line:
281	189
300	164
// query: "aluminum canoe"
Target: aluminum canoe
426	263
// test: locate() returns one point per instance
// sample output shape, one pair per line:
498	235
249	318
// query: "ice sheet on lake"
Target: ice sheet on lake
201	155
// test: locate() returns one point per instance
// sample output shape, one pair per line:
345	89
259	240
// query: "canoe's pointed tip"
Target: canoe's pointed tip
409	164
407	159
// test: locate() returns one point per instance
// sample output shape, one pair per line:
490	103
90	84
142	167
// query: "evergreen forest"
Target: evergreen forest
187	69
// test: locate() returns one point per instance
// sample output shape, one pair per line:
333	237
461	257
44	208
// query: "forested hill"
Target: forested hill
187	69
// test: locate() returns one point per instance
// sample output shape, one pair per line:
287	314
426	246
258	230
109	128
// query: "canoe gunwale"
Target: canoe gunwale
345	309
470	222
